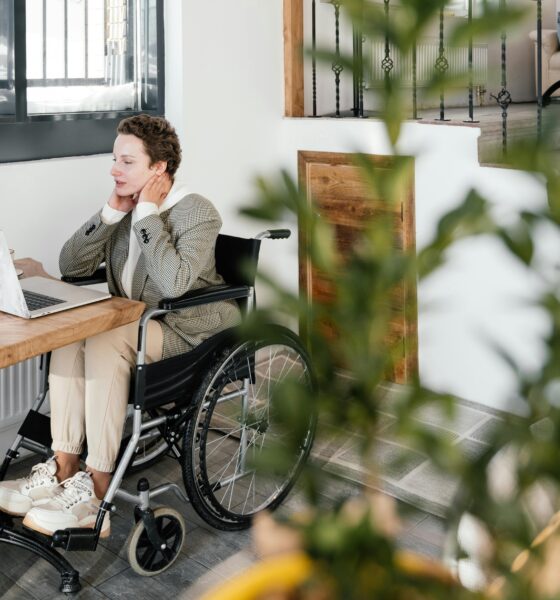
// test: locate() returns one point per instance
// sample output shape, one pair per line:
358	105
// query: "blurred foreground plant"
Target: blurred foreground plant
353	549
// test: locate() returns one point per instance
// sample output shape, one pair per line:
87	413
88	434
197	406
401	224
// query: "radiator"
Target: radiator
427	52
19	387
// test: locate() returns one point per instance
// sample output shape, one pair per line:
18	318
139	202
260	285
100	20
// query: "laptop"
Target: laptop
38	296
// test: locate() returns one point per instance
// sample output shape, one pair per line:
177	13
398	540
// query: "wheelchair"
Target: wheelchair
212	409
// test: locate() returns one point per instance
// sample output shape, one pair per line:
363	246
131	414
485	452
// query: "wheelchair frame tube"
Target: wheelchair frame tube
143	331
126	458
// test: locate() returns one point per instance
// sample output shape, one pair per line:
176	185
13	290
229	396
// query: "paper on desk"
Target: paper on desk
11	296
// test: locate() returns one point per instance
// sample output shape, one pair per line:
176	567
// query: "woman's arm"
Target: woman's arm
175	268
82	254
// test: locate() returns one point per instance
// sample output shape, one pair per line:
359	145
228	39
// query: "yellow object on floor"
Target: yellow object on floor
279	574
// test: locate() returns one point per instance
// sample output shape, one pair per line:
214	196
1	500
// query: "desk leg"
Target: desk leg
70	578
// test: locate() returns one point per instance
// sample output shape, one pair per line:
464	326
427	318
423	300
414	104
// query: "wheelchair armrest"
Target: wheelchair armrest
99	276
213	293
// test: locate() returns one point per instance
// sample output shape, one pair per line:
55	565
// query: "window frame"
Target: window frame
26	137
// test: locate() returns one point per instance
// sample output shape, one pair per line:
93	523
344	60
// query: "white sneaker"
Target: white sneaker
74	506
20	495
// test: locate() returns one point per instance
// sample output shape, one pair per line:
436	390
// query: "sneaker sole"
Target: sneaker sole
13	513
31	524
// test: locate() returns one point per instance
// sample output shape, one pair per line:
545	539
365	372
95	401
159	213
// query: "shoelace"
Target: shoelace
71	494
37	473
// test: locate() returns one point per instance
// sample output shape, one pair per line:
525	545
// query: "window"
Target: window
70	70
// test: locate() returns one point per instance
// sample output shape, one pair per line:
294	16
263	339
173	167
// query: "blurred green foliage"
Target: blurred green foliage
349	549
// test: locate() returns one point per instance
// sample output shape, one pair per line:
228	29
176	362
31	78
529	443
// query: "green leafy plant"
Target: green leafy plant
356	555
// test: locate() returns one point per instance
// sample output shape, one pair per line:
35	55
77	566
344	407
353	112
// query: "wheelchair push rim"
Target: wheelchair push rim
236	423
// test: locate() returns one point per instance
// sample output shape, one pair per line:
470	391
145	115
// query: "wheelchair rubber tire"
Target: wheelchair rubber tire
216	424
143	557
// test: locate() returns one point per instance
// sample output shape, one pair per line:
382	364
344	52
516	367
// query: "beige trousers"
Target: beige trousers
89	385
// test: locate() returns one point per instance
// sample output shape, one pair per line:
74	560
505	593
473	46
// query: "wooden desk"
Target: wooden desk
24	338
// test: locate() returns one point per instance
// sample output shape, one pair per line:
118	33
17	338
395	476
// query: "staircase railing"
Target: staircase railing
391	65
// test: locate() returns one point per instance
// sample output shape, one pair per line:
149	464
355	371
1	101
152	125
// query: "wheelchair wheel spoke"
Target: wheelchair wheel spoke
168	531
148	558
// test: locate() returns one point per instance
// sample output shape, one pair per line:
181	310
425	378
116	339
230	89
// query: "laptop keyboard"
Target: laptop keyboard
35	301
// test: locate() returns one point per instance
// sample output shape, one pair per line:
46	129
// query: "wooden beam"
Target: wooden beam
293	58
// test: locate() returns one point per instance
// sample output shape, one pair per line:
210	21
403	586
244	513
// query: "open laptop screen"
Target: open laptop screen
11	296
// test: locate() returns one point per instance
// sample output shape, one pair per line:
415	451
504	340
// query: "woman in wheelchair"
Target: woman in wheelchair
158	241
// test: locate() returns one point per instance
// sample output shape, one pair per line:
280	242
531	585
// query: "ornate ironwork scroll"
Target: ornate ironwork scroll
503	98
441	65
337	66
387	63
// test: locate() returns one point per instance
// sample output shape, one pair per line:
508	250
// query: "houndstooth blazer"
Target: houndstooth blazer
177	255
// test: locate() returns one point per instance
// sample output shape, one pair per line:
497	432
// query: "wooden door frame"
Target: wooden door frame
305	158
293	59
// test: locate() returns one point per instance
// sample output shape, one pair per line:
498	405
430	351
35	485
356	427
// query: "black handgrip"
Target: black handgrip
279	234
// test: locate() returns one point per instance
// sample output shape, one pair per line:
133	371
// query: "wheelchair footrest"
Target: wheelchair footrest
75	538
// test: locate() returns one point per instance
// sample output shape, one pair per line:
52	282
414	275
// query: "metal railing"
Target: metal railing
390	67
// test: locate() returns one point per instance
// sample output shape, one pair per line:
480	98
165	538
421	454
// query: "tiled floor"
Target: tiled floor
402	471
210	556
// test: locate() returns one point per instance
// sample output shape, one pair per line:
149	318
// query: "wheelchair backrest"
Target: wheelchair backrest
237	259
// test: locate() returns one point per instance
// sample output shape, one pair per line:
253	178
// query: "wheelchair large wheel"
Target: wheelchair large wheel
236	420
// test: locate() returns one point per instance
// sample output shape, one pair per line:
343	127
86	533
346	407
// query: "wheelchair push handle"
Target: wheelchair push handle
274	234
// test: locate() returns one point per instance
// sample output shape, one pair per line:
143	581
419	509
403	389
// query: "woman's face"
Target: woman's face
131	169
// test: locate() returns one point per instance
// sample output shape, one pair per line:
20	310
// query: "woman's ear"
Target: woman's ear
160	167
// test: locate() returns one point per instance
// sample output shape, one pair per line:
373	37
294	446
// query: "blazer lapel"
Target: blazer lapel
139	278
119	252
140	273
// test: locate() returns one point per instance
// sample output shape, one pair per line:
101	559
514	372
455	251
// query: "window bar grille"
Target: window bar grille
134	29
65	39
10	65
441	65
337	67
44	39
20	61
387	63
470	65
86	39
539	70
160	54
503	99
313	57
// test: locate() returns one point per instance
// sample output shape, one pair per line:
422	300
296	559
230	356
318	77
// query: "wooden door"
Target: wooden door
335	186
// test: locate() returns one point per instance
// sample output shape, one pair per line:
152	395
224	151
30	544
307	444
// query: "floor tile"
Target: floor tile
128	585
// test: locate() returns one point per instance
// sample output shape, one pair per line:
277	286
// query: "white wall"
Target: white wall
225	95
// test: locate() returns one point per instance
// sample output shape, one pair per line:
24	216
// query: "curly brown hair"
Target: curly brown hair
159	138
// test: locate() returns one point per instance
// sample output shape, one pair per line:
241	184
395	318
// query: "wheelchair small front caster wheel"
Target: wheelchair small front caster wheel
147	559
